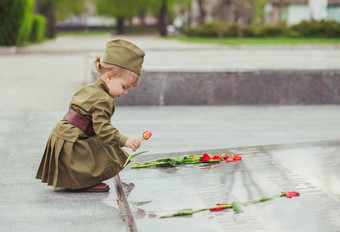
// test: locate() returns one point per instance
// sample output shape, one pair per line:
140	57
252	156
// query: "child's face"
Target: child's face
118	87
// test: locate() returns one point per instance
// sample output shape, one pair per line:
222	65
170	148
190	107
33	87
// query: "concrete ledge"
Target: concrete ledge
262	87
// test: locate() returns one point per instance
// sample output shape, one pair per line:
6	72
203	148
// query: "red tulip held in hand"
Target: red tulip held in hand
146	135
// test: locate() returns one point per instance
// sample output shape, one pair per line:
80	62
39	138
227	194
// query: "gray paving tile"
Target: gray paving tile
33	207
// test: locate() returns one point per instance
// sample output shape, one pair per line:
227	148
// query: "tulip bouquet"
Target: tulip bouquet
236	206
187	159
145	136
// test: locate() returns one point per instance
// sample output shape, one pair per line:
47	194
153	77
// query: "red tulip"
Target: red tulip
218	209
236	157
230	159
290	194
217	158
146	135
205	157
225	156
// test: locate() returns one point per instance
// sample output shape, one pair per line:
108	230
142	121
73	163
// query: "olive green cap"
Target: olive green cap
124	54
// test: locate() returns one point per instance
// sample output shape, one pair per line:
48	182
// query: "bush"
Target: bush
213	29
38	28
207	30
221	29
272	30
26	27
15	21
322	28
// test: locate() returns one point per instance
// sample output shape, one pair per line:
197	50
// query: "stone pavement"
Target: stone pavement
37	83
171	55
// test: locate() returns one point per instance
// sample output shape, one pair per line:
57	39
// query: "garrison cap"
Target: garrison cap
124	54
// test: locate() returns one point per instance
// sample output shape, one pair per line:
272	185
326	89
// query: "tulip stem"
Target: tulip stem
132	156
191	211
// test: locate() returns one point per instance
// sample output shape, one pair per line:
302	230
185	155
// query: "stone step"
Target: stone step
262	87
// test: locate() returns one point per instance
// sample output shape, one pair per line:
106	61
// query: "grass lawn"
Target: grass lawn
257	41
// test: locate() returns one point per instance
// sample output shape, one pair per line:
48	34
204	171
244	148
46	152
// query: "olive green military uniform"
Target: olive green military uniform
75	160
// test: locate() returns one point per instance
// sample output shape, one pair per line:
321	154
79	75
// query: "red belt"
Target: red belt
79	121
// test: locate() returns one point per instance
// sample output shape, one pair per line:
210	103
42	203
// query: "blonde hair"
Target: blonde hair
115	71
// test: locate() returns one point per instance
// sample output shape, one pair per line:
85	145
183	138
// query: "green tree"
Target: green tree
119	9
66	8
56	10
259	14
143	8
16	17
165	12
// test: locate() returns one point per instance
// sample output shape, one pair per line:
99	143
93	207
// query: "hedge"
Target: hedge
16	18
322	28
38	28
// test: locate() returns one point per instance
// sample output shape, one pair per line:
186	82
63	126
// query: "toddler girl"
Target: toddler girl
84	148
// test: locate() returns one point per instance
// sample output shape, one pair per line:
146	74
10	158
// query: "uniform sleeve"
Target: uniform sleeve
101	118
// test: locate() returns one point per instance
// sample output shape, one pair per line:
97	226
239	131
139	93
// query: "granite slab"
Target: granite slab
312	169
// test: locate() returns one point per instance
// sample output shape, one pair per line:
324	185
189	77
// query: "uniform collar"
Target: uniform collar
101	84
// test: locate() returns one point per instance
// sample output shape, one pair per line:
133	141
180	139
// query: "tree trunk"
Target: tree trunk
202	12
120	26
47	9
189	17
37	6
142	15
240	22
227	12
163	19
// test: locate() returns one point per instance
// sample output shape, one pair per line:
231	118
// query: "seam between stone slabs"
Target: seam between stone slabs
123	205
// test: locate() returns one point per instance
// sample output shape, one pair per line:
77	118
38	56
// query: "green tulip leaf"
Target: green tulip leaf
181	212
236	207
136	154
173	162
132	156
184	212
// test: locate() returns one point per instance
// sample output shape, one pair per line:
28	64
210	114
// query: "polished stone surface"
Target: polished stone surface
312	169
261	87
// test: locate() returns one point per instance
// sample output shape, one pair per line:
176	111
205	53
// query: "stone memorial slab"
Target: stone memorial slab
312	169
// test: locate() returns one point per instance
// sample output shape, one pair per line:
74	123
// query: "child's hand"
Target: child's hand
133	143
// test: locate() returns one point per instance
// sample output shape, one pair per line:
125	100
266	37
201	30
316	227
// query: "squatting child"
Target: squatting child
84	148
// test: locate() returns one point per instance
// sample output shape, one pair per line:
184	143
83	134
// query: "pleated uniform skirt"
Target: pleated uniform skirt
79	162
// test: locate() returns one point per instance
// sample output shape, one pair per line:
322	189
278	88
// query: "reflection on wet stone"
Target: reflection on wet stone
312	169
127	188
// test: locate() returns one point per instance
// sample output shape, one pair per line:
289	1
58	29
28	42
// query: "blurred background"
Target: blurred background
30	21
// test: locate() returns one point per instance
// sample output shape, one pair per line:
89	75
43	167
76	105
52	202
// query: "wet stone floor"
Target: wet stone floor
312	169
